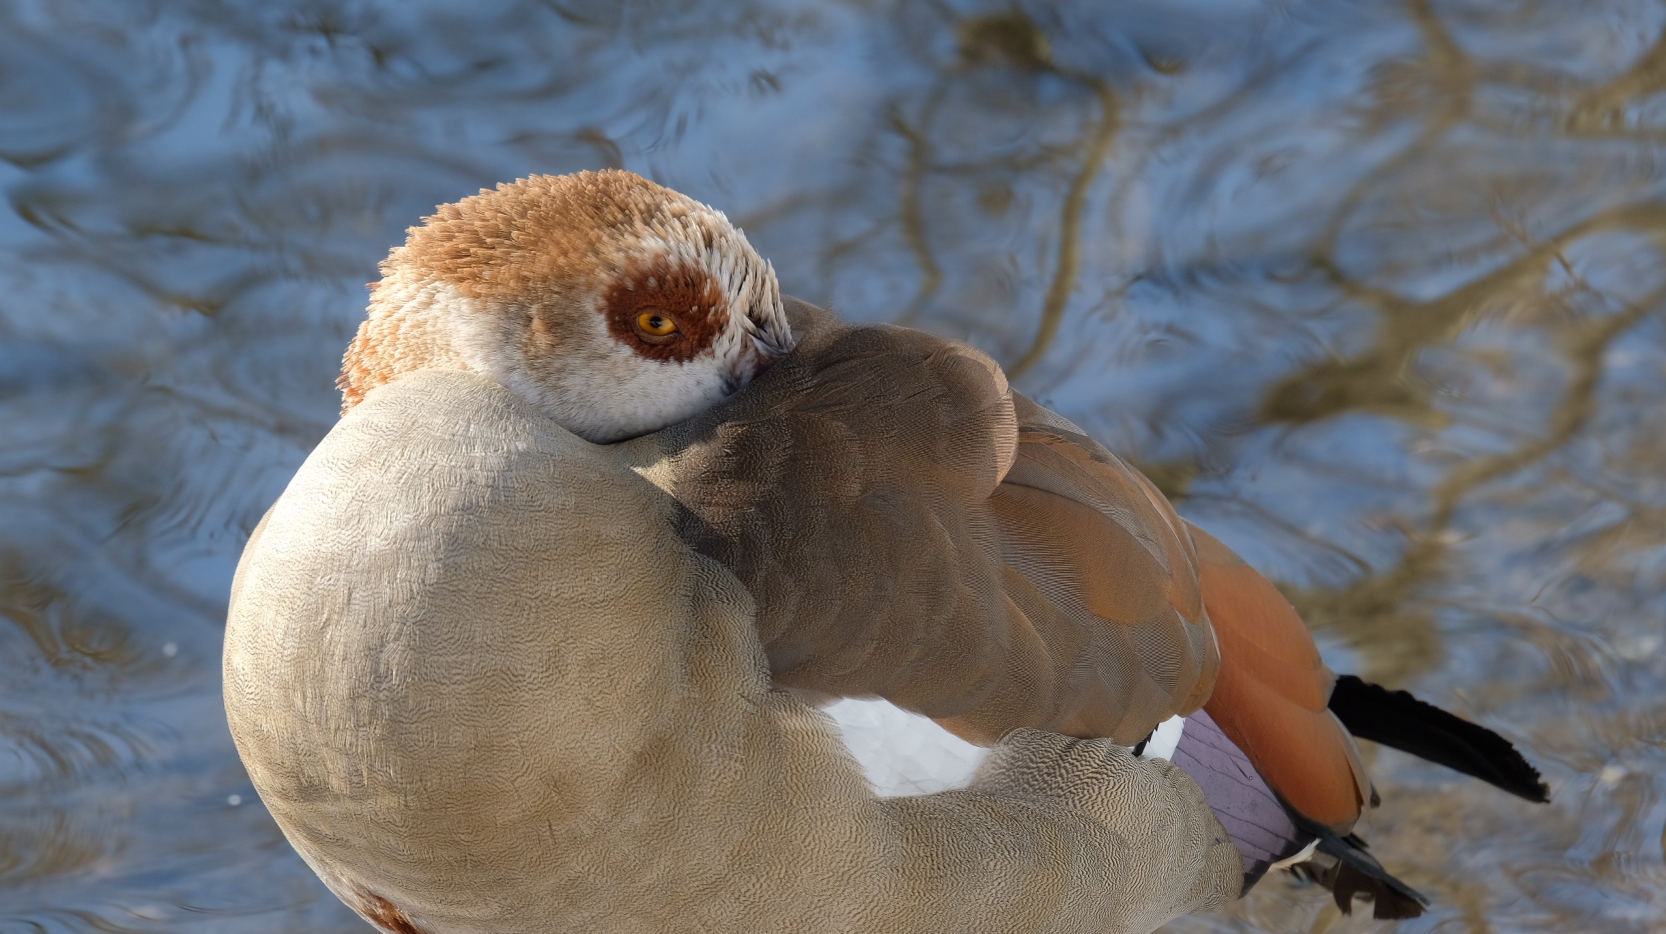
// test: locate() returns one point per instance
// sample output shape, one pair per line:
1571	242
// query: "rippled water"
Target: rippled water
1376	287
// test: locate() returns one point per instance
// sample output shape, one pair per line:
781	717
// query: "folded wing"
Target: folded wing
913	530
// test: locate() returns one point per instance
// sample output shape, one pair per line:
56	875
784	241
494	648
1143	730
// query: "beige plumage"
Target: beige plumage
483	687
490	676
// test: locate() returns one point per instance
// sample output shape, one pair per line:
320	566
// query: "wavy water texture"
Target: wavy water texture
1374	289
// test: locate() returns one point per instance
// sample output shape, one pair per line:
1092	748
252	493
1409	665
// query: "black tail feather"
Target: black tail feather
1395	718
1350	871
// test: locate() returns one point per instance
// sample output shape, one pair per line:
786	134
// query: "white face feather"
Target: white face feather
567	337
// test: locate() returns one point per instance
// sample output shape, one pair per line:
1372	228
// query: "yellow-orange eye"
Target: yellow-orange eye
655	326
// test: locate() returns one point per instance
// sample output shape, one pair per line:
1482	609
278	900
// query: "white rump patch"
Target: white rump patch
904	753
1165	739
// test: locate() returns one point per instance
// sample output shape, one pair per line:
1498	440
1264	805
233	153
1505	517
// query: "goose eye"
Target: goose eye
655	327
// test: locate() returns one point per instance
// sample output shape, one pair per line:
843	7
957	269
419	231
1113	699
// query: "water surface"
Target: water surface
1374	289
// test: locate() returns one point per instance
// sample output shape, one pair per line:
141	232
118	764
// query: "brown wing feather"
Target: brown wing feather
1109	554
844	487
1271	692
913	530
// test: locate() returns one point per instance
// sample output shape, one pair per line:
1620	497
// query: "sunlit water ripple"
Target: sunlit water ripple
1373	289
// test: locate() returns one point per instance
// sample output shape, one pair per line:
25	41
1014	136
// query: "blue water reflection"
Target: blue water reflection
1376	287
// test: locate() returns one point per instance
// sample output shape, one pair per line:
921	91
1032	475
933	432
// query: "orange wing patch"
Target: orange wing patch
1271	693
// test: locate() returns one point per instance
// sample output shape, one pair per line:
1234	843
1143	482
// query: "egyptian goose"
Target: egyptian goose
533	636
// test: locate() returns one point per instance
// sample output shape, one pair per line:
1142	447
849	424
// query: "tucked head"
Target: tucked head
613	304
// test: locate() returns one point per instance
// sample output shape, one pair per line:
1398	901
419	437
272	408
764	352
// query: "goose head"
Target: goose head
613	305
